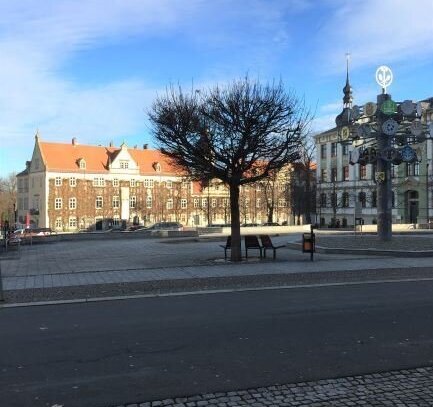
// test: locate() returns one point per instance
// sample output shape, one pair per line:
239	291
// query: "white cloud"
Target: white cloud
378	32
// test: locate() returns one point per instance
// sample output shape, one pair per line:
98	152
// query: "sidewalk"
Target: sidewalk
404	388
70	270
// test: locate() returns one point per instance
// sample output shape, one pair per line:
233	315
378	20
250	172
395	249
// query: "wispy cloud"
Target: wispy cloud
377	32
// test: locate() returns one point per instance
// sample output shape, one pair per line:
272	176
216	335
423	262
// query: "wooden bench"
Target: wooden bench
227	246
268	245
252	242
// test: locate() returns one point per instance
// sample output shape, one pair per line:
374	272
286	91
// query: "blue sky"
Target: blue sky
90	69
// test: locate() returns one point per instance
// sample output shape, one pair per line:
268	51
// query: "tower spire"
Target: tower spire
347	90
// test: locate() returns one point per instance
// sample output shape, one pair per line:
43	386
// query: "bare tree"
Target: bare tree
238	134
8	197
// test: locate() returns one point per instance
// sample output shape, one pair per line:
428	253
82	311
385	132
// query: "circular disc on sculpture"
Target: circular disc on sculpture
344	133
416	128
384	76
354	156
389	107
407	154
390	127
356	112
364	130
370	108
408	108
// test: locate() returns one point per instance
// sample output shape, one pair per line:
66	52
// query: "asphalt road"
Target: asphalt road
109	353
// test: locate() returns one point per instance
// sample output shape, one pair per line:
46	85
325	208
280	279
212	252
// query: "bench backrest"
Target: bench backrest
251	242
266	241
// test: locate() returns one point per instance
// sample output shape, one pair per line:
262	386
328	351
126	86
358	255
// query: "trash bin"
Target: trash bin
308	243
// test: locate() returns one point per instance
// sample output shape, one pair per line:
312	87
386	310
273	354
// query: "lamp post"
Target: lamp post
375	130
427	200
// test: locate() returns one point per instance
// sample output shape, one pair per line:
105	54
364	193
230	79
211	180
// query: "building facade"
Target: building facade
345	191
70	187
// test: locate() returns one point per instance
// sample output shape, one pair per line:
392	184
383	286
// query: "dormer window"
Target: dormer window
82	163
157	167
124	164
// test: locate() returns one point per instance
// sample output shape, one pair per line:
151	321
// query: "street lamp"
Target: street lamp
382	133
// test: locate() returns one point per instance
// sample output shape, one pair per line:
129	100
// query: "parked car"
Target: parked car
166	226
30	232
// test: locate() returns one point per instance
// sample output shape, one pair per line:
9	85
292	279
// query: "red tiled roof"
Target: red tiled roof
64	157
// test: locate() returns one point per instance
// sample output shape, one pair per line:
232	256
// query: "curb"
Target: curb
374	252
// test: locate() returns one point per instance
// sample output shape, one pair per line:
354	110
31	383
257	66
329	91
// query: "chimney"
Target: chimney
74	141
145	146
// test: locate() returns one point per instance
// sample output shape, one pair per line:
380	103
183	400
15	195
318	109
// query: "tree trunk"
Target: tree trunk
270	214
236	253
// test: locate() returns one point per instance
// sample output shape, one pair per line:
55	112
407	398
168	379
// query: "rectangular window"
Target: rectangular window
183	203
324	175
72	203
58	203
116	220
346	173
59	223
148	183
169	184
132	201
115	182
184	184
99	203
149	201
204	202
196	202
412	169
98	182
214	202
132	183
362	172
58	181
258	202
124	164
72	222
72	182
170	203
333	174
333	149
282	203
323	151
345	149
116	202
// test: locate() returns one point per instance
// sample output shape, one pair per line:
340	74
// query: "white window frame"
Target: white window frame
72	182
116	201
115	182
132	183
133	202
183	203
124	164
58	181
149	202
169	203
59	223
58	203
73	203
72	222
99	202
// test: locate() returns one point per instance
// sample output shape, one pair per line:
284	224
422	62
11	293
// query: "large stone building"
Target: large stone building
347	191
69	187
